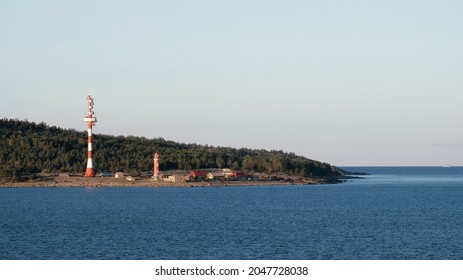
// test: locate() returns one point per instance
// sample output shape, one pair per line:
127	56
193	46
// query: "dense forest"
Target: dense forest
27	148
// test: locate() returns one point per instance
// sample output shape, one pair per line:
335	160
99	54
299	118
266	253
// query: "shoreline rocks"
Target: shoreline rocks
147	182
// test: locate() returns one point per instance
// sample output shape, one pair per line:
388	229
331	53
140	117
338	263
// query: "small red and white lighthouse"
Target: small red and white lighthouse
90	120
156	165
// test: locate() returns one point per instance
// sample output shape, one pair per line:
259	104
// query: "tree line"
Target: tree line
27	148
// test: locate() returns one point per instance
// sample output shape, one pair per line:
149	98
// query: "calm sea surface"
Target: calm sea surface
394	213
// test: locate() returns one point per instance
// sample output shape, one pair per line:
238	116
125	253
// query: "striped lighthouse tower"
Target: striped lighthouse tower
90	120
156	165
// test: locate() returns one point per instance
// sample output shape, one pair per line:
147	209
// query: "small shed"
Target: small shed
215	176
119	175
227	172
175	178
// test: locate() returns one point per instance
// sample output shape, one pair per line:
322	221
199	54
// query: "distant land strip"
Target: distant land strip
28	149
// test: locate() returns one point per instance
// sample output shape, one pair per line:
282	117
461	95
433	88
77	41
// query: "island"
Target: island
34	154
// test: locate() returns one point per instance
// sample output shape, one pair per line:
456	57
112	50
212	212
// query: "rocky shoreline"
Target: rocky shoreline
148	182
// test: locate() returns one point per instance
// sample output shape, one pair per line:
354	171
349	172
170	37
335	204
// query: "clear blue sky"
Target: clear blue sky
344	82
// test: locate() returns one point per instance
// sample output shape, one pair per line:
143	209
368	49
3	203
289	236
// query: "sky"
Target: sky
351	83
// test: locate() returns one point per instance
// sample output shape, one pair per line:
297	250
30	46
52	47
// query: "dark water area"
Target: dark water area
393	213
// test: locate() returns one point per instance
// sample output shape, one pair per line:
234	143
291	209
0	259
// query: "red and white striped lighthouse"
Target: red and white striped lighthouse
90	120
156	165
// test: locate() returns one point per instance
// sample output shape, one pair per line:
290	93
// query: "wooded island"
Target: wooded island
28	149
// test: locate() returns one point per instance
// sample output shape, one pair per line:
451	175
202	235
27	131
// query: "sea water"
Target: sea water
393	213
